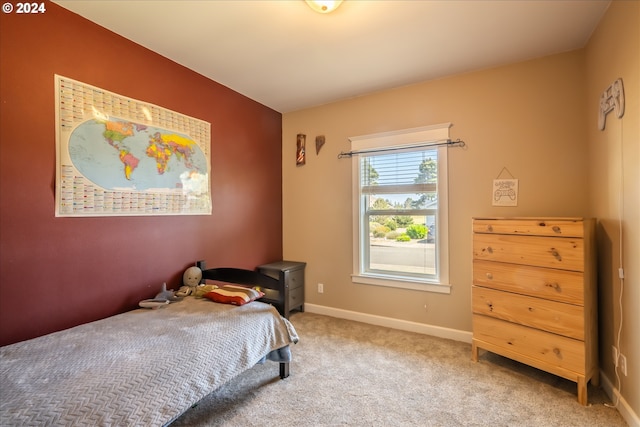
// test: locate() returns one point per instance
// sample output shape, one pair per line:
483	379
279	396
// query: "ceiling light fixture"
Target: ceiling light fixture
323	6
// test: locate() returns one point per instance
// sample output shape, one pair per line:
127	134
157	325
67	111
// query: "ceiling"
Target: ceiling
288	57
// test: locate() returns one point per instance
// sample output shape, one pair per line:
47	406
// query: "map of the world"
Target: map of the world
118	154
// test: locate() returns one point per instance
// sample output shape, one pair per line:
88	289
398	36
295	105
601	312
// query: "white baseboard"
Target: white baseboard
623	407
403	325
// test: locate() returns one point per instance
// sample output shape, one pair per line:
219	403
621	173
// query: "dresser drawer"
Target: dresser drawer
294	278
558	252
551	316
550	349
296	297
530	226
558	285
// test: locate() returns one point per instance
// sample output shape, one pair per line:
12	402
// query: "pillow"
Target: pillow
236	295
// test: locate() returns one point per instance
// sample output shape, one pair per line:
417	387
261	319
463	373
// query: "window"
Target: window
400	209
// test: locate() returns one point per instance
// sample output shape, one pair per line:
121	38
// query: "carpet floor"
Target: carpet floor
347	373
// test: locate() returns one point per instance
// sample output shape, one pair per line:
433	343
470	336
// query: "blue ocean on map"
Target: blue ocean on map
117	154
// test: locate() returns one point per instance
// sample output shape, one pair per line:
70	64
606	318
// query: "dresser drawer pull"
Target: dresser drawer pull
489	228
489	249
556	229
556	351
556	254
489	276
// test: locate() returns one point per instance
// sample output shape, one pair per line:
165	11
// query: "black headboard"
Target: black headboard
240	276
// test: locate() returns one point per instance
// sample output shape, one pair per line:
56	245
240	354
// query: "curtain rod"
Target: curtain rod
456	143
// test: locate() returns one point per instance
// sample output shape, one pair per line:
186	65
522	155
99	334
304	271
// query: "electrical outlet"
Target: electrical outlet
320	288
623	364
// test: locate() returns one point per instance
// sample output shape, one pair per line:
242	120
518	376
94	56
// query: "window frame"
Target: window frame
421	138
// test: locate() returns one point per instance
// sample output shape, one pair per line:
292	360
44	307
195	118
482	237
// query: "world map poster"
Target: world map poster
117	156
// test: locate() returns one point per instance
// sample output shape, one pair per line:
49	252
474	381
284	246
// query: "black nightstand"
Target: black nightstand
291	277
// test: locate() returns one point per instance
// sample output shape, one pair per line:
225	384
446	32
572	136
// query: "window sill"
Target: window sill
402	284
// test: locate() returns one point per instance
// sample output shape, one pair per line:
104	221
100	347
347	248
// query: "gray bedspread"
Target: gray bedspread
141	368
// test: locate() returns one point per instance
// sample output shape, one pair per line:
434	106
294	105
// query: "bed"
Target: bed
143	367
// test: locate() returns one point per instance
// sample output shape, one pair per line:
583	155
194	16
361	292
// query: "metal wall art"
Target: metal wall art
611	99
319	143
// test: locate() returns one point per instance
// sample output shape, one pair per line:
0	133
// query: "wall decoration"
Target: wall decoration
319	143
301	155
611	99
117	156
505	191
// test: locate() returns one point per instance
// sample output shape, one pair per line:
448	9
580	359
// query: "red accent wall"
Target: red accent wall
59	272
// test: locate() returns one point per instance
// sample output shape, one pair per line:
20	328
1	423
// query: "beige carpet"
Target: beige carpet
347	373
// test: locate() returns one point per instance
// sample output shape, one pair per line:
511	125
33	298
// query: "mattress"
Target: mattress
143	367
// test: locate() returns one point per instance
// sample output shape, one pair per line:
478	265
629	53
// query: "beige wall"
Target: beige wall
528	117
537	119
614	177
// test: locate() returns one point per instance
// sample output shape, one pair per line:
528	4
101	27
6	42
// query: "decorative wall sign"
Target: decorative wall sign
301	154
611	99
117	156
505	191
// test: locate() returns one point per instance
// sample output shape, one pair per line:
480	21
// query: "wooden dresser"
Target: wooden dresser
534	294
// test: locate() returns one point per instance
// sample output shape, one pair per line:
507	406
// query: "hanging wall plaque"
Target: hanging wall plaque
505	190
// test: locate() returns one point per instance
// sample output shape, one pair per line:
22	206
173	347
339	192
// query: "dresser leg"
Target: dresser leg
582	391
474	351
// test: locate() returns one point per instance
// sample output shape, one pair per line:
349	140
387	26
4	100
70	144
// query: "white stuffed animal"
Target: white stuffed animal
190	279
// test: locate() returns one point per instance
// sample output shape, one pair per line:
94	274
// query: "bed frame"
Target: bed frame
142	367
